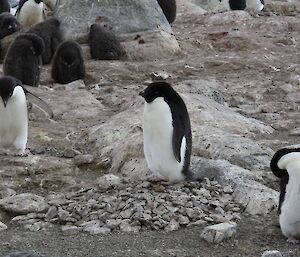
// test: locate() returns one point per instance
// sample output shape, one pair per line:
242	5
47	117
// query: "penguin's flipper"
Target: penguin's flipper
21	3
178	134
39	103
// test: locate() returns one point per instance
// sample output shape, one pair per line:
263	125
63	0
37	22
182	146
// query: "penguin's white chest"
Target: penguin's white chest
289	217
31	13
254	5
158	148
14	121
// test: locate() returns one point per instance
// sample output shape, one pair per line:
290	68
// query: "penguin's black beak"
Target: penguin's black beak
142	93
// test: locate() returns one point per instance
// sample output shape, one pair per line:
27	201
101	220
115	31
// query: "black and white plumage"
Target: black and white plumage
52	36
169	9
166	132
68	64
4	6
23	59
104	45
13	113
250	5
30	12
8	25
285	164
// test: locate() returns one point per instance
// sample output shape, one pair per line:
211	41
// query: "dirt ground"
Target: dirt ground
256	60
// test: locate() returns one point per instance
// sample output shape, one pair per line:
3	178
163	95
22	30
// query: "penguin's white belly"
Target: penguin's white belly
14	121
254	5
289	217
158	148
30	13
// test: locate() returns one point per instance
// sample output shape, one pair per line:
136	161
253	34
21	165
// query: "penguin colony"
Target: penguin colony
166	125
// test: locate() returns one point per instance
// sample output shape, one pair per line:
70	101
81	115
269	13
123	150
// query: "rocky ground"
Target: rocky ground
85	190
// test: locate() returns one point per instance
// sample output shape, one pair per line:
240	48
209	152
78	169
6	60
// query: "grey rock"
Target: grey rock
6	192
172	226
24	254
108	181
126	227
83	159
70	230
2	226
137	17
272	254
218	233
24	203
51	213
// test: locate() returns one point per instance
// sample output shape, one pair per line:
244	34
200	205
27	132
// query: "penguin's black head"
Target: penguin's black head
9	24
276	158
157	89
7	86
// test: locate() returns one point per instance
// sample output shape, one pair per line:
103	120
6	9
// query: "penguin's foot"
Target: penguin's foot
22	152
293	240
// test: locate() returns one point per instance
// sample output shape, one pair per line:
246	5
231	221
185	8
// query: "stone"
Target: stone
24	204
68	230
172	226
24	254
126	227
2	226
219	232
83	159
271	254
51	213
108	181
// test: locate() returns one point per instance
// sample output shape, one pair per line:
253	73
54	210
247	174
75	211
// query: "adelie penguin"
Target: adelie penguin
104	45
52	36
8	25
166	132
30	12
285	164
68	63
13	113
169	9
251	5
23	59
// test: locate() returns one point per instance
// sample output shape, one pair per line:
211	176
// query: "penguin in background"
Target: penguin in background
169	9
68	64
285	165
30	12
4	6
251	5
23	59
166	132
13	113
8	25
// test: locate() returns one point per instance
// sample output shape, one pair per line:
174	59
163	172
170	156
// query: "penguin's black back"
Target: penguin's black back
237	4
23	59
169	9
4	6
52	36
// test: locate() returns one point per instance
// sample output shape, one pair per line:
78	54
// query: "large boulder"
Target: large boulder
128	18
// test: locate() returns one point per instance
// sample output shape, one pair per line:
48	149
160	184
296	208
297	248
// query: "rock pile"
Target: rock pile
155	206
